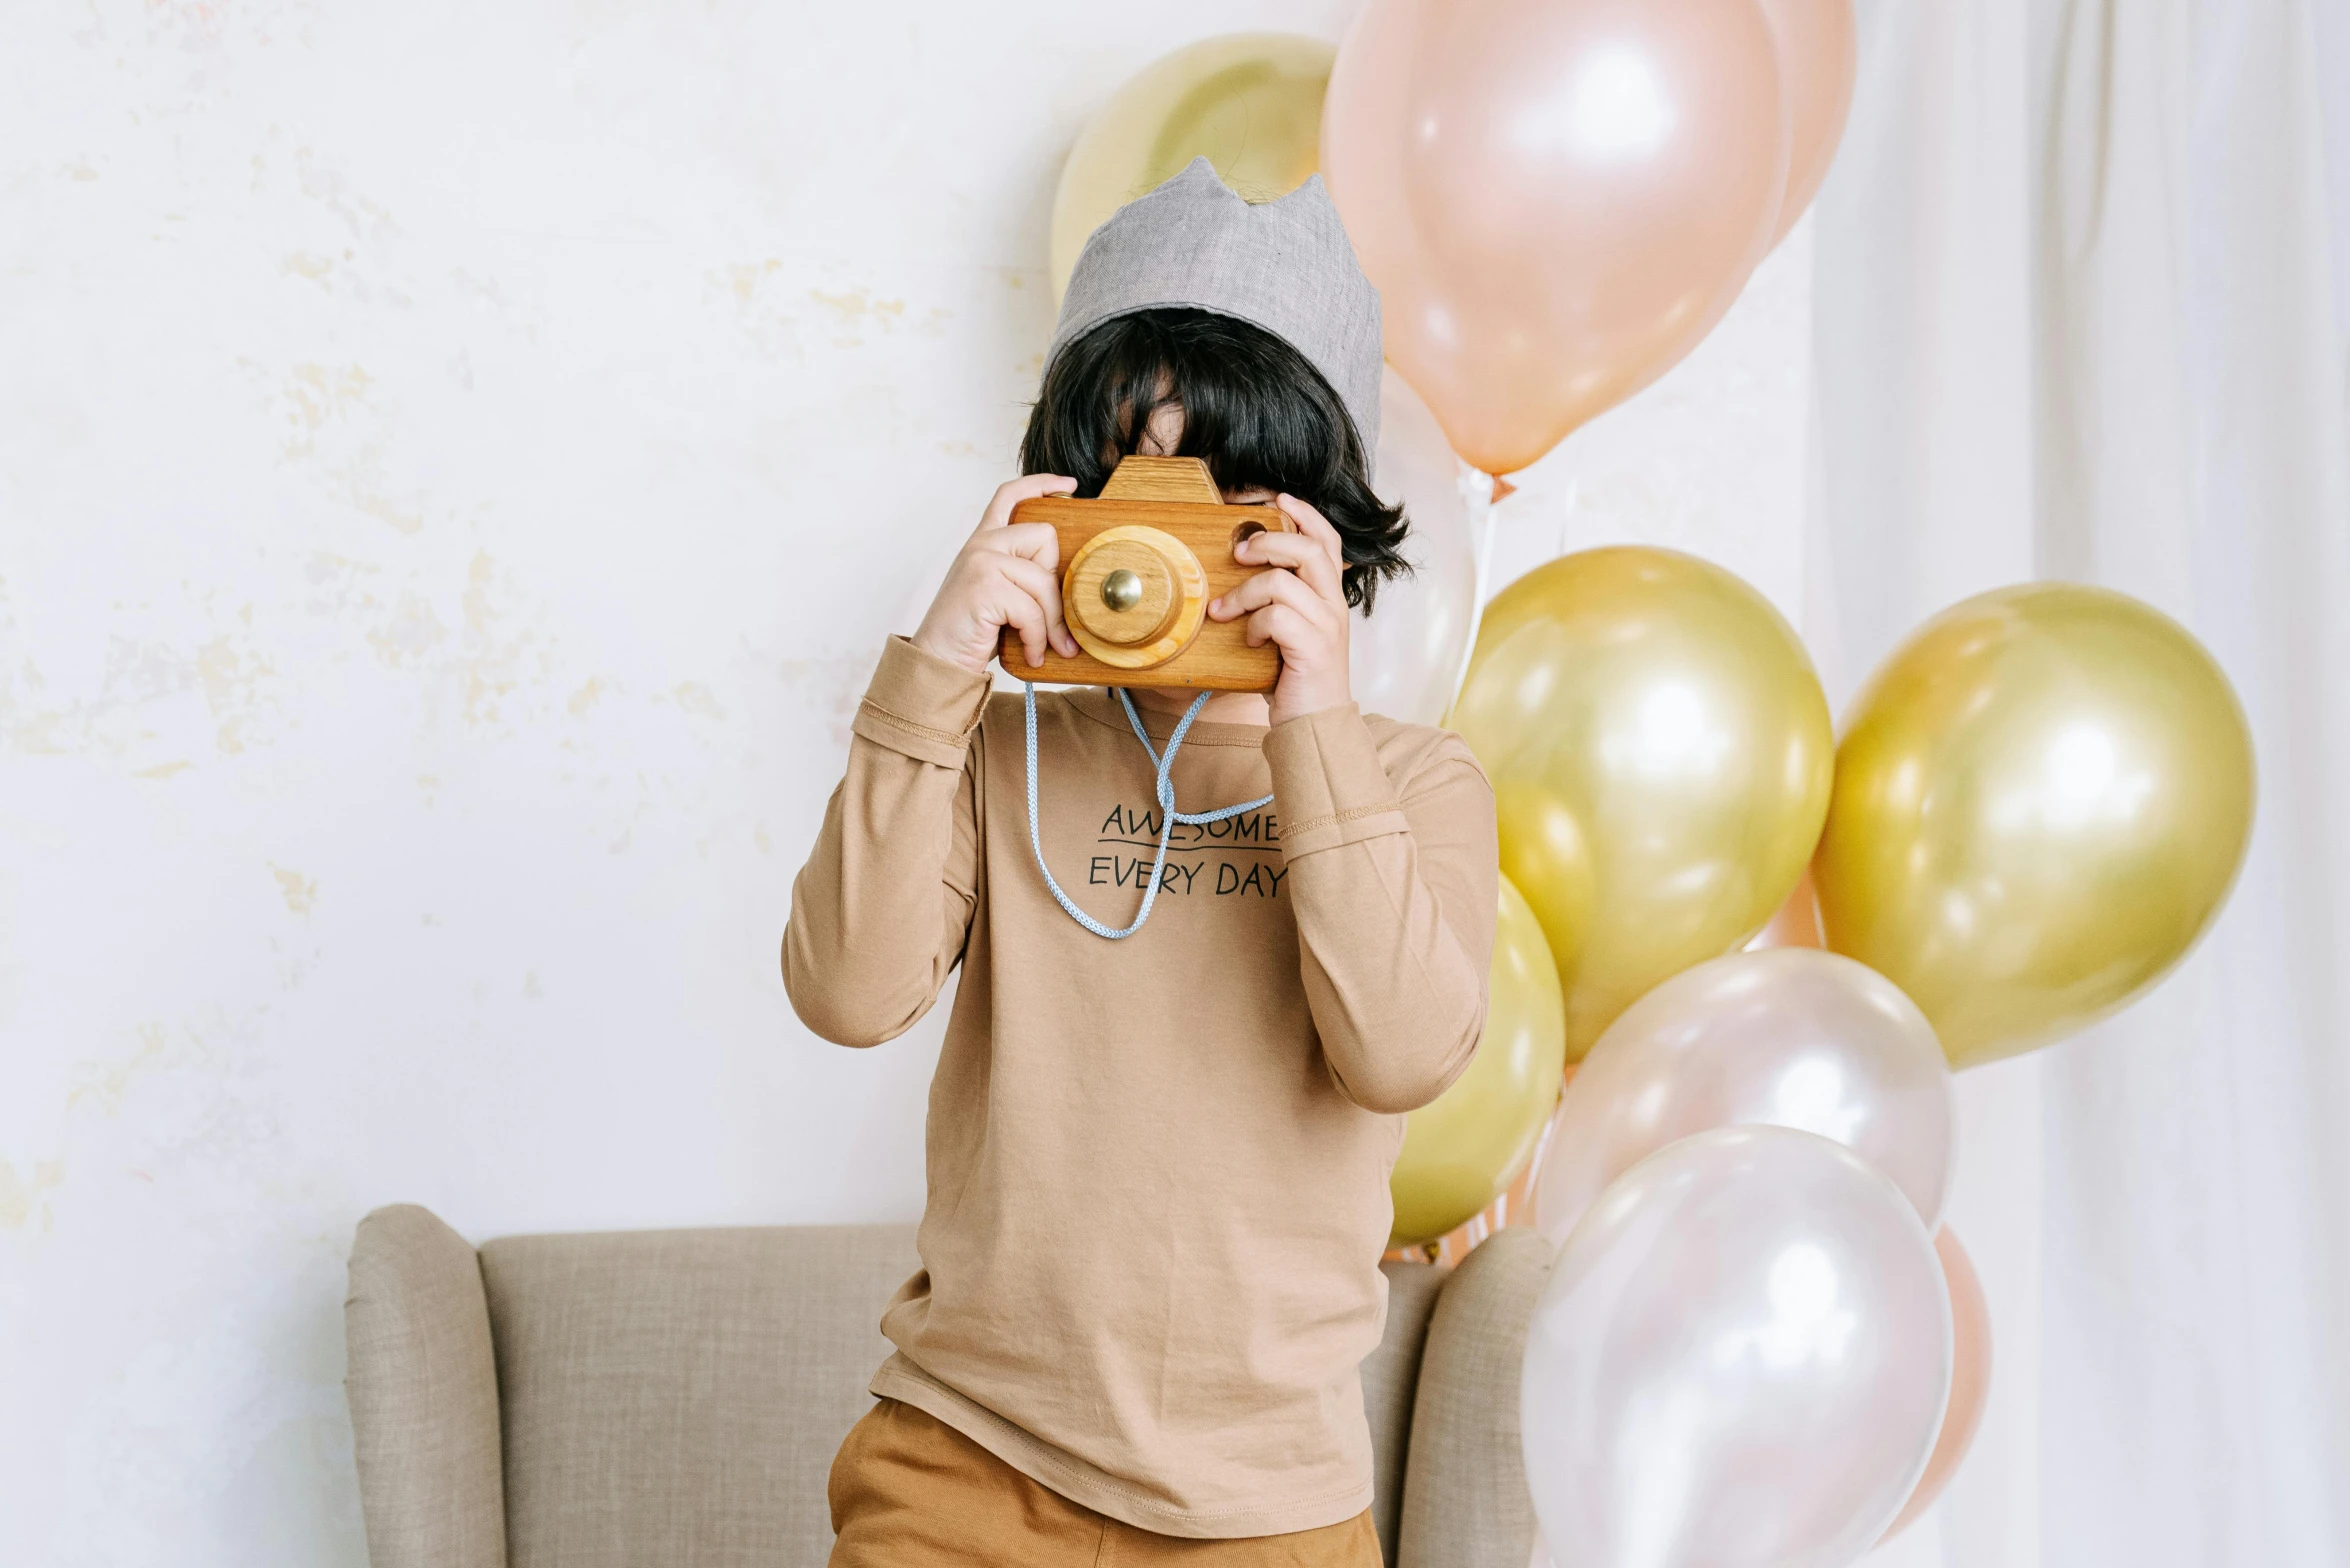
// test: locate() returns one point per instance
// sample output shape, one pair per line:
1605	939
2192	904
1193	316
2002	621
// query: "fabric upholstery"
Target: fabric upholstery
676	1396
1465	1503
424	1395
1391	1374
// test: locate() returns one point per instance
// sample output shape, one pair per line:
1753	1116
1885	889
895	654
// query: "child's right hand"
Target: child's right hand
1009	574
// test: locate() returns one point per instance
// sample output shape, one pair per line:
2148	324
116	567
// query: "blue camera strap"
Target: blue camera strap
1168	815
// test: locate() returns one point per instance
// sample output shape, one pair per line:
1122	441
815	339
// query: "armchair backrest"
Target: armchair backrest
675	1397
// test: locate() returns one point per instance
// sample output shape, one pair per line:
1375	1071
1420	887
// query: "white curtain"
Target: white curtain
2075	316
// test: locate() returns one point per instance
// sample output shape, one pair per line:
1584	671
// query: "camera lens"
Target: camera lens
1122	590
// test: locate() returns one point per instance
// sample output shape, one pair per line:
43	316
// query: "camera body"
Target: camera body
1138	567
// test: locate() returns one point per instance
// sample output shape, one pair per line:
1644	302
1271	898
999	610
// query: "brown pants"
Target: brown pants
909	1491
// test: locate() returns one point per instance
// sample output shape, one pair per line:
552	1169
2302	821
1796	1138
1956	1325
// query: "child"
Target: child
1157	1166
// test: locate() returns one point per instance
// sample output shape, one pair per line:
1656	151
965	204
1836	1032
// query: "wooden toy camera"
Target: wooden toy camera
1139	566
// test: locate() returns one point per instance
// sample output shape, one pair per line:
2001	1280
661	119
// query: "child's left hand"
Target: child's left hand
1299	604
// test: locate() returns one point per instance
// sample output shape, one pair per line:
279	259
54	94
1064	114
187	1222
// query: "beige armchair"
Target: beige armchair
674	1398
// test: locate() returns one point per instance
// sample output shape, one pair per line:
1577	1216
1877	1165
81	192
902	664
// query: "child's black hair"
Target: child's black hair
1253	407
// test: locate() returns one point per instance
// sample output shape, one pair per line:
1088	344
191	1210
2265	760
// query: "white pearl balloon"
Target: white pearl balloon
1786	1036
1405	658
1740	1360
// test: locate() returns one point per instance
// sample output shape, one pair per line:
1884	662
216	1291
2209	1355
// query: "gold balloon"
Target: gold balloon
1464	1148
1542	847
2041	800
1660	753
1249	103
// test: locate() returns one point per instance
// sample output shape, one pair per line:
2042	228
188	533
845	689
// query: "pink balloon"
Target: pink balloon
1740	1358
1556	198
1970	1379
1797	924
1816	63
1788	1036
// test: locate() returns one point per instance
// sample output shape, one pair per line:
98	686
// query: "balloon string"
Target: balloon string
1477	489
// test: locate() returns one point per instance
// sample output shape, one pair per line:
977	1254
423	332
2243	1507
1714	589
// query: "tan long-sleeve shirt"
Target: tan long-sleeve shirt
1157	1167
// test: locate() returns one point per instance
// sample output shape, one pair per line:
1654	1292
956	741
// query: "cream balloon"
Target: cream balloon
1816	66
1249	103
1786	1037
1556	198
1405	657
1739	1360
1660	755
1464	1148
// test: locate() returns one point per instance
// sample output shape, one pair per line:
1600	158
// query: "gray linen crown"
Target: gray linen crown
1285	266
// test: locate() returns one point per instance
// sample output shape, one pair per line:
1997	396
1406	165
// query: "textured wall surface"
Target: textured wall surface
456	464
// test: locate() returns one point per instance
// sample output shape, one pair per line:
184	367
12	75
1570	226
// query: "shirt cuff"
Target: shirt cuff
921	705
1329	783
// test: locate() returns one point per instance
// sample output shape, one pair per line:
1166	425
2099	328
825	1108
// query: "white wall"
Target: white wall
456	464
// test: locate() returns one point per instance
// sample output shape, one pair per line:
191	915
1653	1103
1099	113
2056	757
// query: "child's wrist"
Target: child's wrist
1278	712
952	650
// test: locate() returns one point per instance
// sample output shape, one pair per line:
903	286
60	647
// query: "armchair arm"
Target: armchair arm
423	1386
1465	1503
